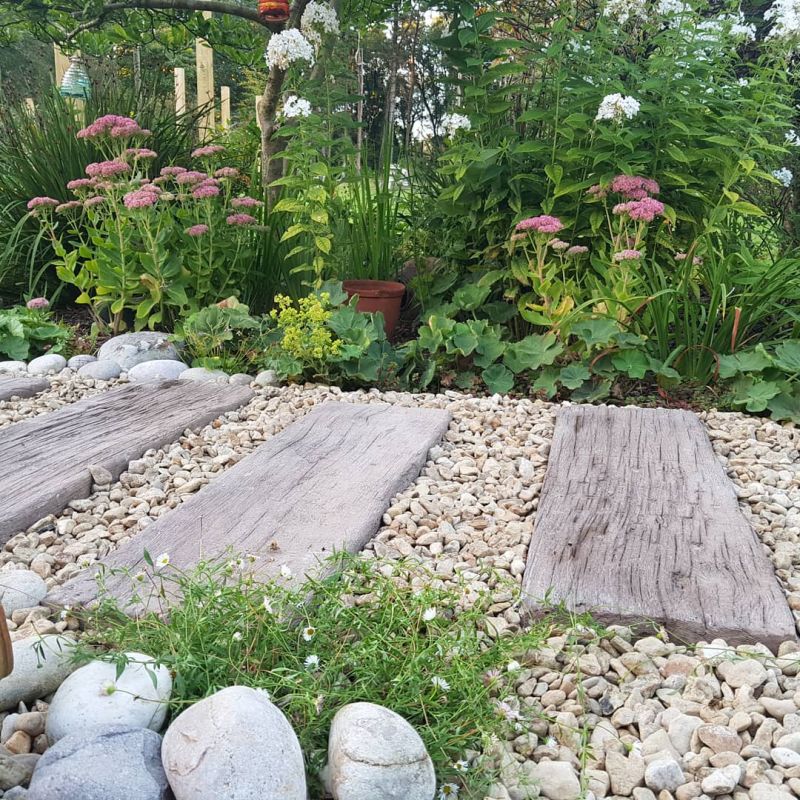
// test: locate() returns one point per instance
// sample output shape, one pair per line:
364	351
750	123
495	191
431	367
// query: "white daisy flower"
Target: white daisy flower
309	632
429	614
286	572
268	605
440	683
312	663
448	790
237	636
162	561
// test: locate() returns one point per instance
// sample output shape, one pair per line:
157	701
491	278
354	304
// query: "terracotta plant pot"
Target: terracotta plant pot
383	296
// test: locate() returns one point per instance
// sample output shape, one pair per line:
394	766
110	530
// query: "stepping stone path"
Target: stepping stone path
21	387
638	521
45	462
320	485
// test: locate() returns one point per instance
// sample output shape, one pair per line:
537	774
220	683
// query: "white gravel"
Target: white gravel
603	717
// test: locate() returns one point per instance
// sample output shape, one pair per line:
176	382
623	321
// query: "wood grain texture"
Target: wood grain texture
638	521
44	461
21	387
322	485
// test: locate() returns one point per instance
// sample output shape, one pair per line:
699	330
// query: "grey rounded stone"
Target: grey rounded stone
94	695
52	362
41	664
234	744
557	780
268	378
108	762
20	588
16	770
13	367
721	781
203	375
157	371
105	370
76	362
130	349
373	752
240	379
663	773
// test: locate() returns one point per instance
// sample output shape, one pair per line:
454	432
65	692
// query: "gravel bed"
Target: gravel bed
610	716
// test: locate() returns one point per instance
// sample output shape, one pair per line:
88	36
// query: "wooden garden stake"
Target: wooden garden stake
225	106
180	91
204	57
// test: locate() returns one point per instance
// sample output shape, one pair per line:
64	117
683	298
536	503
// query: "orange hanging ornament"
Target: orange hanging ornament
274	10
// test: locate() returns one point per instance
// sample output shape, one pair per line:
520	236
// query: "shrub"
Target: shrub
29	331
150	249
322	338
222	336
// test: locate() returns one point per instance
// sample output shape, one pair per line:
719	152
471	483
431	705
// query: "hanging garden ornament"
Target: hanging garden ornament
76	82
274	10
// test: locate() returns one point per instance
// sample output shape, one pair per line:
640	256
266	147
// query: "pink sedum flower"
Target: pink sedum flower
227	172
558	245
246	202
141	152
42	202
633	187
645	210
141	198
190	177
241	219
80	183
208	150
68	206
541	224
577	250
167	172
91	202
38	303
696	260
205	191
628	255
112	125
197	230
107	169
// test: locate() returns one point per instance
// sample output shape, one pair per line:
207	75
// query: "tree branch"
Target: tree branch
216	6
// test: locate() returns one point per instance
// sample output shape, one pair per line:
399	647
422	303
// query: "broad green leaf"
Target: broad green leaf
573	375
532	352
498	379
749	361
787	356
633	363
785	407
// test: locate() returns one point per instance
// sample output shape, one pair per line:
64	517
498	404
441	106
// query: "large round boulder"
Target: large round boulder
94	695
130	349
373	752
157	371
108	762
41	663
234	744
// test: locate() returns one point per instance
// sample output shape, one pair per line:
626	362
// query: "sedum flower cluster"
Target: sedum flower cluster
785	18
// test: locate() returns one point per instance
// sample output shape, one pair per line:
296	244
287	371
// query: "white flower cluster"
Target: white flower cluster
617	107
453	123
288	46
784	176
623	10
792	138
733	25
785	18
318	18
295	106
670	8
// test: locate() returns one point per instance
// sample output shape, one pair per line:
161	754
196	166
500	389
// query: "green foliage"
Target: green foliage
766	380
223	336
40	154
372	639
26	333
323	338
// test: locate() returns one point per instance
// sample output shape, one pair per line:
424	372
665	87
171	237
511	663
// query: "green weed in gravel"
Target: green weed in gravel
360	635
